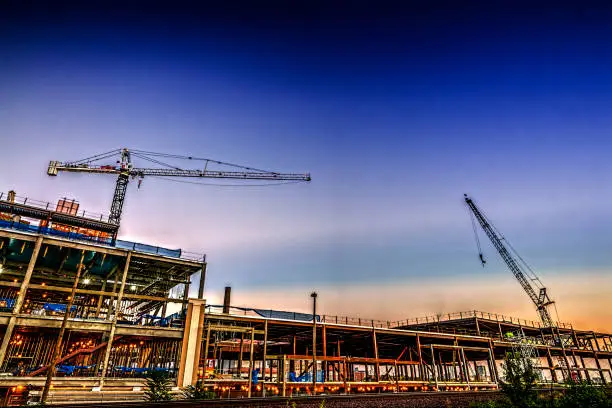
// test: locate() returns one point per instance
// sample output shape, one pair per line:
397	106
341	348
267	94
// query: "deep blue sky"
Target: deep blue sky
397	109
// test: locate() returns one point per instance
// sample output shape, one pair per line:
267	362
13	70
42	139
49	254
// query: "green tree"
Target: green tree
584	395
158	387
518	384
197	392
519	381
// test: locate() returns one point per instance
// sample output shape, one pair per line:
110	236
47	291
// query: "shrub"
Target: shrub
197	392
584	395
158	387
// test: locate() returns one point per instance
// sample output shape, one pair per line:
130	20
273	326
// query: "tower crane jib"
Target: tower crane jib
124	170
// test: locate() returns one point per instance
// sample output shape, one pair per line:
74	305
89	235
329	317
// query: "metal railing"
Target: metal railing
474	314
48	206
74	236
389	324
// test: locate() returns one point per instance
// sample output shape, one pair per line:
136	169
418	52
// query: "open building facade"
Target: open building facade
110	312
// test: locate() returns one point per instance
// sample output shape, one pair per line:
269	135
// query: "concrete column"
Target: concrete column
20	298
111	336
192	343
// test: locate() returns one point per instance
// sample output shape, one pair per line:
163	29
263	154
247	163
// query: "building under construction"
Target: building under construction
84	314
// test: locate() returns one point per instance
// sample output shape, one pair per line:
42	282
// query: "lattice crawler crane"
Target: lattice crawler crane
523	273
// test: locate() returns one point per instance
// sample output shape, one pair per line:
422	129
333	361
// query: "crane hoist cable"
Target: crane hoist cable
480	254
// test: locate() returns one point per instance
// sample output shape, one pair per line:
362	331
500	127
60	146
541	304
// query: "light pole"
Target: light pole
313	295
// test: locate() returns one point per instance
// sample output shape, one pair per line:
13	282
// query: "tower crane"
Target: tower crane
124	170
523	273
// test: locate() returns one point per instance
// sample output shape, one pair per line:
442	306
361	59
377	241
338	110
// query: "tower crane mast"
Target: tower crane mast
531	284
124	170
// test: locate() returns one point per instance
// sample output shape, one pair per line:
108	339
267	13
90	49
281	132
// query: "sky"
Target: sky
396	109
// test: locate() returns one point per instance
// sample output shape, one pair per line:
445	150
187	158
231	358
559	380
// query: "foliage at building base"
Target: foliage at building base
158	387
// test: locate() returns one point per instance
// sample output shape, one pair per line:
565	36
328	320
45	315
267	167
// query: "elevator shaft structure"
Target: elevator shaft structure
527	279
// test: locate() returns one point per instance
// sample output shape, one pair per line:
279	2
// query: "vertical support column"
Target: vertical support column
164	309
601	374
240	355
552	365
569	371
20	298
345	376
206	345
396	376
111	336
60	336
420	353
433	364
586	372
325	367
265	353
185	294
251	362
465	367
284	376
313	295
477	325
492	367
578	370
377	363
202	281
111	303
100	298
192	343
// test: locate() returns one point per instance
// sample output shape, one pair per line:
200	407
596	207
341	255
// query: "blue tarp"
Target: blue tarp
7	302
57	307
306	377
173	253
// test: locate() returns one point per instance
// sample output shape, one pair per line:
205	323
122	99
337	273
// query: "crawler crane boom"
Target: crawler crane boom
528	280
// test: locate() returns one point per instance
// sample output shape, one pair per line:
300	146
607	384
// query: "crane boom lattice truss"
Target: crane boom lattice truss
527	278
125	170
